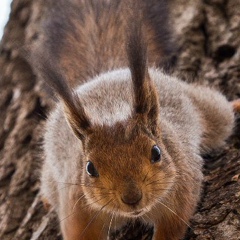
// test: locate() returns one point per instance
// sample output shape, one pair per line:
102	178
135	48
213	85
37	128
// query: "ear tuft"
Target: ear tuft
77	117
73	109
146	103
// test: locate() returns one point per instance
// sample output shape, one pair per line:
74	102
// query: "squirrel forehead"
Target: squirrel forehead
123	134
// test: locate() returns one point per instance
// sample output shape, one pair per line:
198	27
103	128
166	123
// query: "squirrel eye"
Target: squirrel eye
91	170
156	154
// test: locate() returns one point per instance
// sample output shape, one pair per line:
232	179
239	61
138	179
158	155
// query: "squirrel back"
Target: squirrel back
88	37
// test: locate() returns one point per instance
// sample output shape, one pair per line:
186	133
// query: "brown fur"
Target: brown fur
88	37
114	121
236	105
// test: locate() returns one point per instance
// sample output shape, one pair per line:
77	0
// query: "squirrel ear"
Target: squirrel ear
73	109
77	117
146	102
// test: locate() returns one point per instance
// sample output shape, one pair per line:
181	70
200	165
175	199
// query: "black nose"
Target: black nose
132	196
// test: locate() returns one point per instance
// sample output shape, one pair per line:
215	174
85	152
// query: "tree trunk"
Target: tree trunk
208	35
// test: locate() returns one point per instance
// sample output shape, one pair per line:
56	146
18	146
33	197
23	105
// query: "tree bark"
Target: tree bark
208	36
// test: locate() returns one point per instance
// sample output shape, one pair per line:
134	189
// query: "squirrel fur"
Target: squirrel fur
126	142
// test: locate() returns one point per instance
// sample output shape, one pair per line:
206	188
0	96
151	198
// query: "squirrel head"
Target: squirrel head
127	168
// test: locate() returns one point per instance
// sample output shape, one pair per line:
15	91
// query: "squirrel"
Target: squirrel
125	139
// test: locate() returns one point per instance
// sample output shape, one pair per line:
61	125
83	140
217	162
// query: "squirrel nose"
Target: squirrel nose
132	196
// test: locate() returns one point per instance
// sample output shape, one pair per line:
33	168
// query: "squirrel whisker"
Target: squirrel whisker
94	217
100	233
166	168
164	189
63	183
159	181
87	205
71	214
80	184
145	177
159	201
146	215
75	204
110	224
103	193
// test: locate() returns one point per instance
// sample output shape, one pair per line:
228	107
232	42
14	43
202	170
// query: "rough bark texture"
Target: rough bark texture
208	35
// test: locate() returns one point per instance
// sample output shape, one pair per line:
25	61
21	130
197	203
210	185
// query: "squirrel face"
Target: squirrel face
127	168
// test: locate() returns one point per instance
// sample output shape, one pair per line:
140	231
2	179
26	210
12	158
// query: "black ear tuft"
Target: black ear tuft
73	109
137	58
146	101
136	50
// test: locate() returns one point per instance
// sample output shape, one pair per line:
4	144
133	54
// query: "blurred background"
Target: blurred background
4	14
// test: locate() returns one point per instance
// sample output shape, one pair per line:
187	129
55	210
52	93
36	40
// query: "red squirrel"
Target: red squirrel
125	139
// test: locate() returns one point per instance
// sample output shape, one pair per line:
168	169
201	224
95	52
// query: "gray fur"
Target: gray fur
198	119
